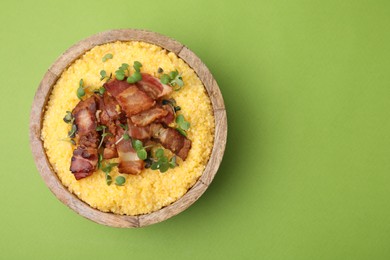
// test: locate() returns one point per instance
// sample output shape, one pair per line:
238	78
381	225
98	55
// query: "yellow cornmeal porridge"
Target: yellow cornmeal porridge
151	190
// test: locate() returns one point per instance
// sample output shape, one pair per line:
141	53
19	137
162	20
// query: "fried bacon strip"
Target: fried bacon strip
128	160
108	116
153	87
168	137
85	157
171	139
130	98
149	116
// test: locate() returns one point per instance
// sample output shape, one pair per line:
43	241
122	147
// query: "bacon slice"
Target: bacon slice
85	157
149	116
108	117
171	139
84	161
115	87
134	101
110	106
153	87
130	98
128	160
139	132
85	116
169	118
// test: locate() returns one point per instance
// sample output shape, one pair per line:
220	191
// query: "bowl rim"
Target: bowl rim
38	109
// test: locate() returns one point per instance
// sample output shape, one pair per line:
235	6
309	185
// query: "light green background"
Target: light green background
306	173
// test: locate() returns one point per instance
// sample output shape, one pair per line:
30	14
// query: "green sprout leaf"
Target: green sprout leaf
182	132
137	76
159	153
174	79
124	127
138	147
124	66
120	74
161	162
100	159
172	103
172	162
126	136
72	131
107	57
142	154
120	180
107	169
165	79
164	167
80	91
137	73
103	74
137	66
173	74
102	128
108	179
154	166
130	80
68	118
137	144
183	125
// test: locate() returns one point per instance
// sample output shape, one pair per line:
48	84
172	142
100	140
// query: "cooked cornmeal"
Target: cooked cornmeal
150	190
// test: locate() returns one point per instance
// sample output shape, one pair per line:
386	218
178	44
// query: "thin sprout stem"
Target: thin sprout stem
101	141
120	139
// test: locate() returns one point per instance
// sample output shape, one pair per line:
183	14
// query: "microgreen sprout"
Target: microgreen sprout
107	57
172	103
102	128
125	135
161	162
80	91
160	70
137	73
182	124
173	79
140	149
70	140
103	75
120	74
100	160
137	66
102	90
72	132
107	169
120	181
68	118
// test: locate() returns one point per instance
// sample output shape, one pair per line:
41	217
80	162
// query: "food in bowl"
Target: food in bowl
127	166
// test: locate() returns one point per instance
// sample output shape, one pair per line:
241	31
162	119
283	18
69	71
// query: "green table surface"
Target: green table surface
306	173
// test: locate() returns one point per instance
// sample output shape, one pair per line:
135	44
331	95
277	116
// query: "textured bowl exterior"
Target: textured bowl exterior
43	93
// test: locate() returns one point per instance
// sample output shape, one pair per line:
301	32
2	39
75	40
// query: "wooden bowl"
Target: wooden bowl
38	108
